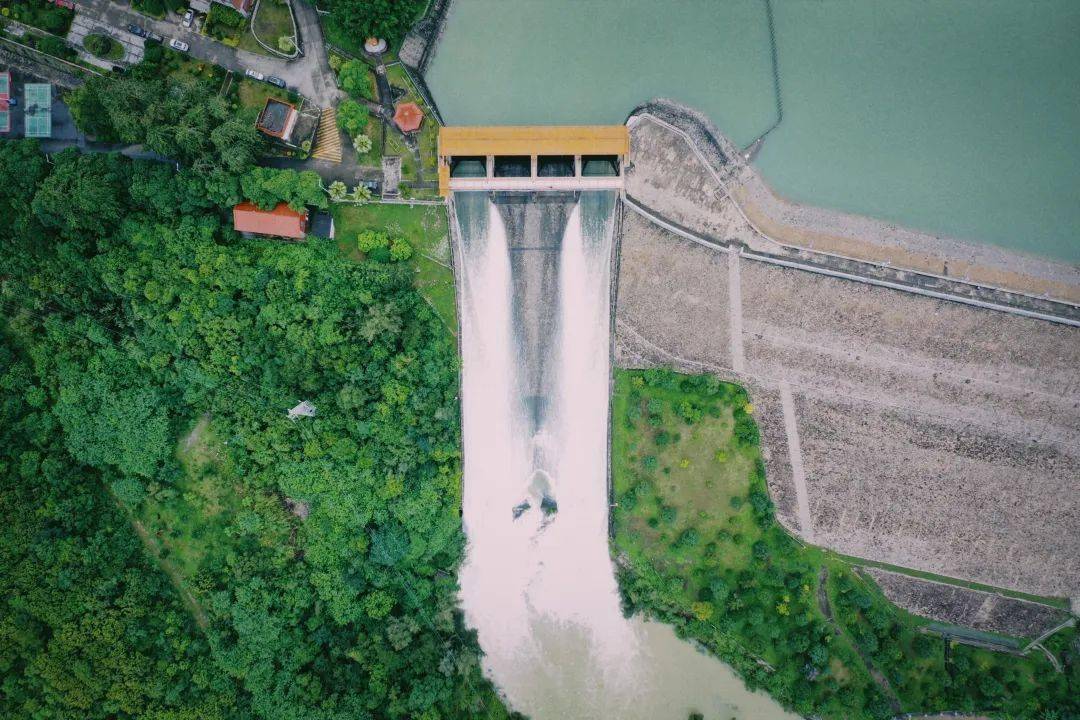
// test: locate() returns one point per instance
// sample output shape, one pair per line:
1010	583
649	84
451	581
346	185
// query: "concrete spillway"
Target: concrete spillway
538	584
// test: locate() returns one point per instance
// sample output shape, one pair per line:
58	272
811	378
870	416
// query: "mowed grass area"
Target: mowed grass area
373	157
697	545
205	514
425	227
272	22
252	93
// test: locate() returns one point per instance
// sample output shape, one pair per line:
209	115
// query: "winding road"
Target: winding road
310	74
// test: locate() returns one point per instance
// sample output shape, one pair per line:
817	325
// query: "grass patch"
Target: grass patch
272	22
1058	602
374	130
180	66
201	518
103	46
253	94
426	230
395	145
697	545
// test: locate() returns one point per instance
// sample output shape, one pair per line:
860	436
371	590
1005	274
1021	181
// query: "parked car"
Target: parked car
189	17
179	45
274	80
254	75
151	35
136	30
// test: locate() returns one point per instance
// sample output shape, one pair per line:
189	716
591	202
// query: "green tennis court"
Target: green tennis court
37	116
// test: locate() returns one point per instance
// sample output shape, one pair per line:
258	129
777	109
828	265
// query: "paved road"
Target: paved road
309	75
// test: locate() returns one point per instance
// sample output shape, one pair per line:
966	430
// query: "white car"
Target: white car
189	17
179	45
255	75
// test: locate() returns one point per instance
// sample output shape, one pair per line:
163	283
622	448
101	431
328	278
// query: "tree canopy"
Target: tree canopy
266	187
388	19
174	546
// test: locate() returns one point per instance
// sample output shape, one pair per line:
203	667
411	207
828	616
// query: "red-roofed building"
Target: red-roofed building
408	116
282	221
277	119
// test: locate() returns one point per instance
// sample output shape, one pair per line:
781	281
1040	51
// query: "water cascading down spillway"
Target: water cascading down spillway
538	583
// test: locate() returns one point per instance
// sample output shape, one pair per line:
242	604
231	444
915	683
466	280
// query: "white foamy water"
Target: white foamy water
540	590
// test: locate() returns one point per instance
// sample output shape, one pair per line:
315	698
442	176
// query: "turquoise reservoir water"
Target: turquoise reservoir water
959	118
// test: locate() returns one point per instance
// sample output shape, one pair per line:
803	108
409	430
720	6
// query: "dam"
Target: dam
534	215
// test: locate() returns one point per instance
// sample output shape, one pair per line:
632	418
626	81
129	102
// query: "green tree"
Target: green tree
352	117
356	79
362	144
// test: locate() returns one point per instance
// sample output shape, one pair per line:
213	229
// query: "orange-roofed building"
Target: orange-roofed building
282	221
408	116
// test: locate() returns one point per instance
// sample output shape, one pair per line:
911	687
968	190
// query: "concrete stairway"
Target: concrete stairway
327	139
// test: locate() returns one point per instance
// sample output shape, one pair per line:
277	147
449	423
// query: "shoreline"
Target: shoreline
856	237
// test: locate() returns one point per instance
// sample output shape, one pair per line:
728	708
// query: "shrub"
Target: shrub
285	44
689	538
222	22
370	240
52	45
689	412
400	250
746	430
761	503
703	611
98	45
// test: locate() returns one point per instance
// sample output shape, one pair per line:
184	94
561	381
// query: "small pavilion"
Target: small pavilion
408	117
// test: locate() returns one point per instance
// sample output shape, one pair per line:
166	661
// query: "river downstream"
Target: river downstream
538	584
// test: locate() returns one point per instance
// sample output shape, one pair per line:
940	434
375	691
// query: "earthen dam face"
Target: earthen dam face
538	584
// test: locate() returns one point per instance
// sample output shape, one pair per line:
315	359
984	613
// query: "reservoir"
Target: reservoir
955	118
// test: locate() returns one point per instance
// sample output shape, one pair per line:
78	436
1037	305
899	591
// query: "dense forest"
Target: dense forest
697	545
174	545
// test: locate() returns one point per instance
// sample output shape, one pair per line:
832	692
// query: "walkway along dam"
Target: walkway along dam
533	214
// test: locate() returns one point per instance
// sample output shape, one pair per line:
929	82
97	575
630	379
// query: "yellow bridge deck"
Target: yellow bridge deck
534	140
